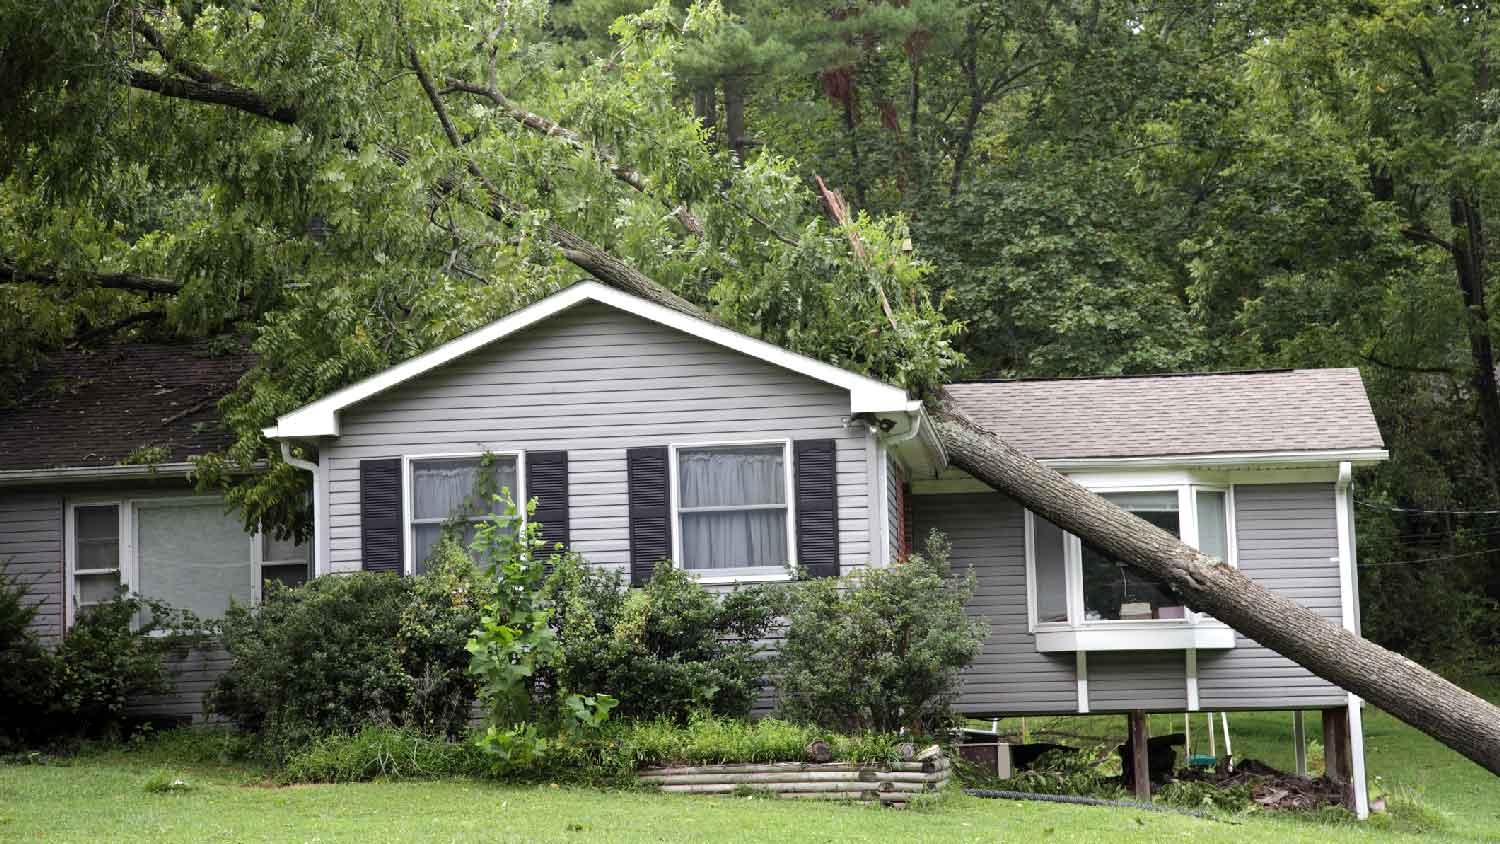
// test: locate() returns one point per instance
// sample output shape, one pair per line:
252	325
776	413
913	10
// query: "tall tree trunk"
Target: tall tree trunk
1471	265
1461	720
706	109
734	116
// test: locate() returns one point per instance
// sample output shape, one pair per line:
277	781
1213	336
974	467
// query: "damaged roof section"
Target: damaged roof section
127	403
1281	411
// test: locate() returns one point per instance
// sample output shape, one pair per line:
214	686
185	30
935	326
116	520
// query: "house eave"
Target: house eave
180	470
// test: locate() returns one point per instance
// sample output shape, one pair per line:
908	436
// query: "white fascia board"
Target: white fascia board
320	418
1242	459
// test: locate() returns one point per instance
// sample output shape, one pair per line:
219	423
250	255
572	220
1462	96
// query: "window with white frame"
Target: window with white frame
732	509
184	551
1076	585
446	492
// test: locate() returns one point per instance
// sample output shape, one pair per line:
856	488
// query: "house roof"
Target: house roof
95	408
320	418
1298	412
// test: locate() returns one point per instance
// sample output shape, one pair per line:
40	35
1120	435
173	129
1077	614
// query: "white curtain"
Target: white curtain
441	489
732	477
192	556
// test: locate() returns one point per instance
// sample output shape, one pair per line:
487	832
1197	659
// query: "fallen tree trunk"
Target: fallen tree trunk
1457	718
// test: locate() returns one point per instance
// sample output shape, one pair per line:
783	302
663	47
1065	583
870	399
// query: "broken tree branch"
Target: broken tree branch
222	93
11	274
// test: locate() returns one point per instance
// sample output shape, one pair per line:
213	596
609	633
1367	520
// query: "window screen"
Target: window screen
732	506
96	554
193	557
1213	524
1051	572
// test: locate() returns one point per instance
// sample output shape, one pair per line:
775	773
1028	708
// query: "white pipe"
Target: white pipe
1357	757
317	503
1299	736
1228	748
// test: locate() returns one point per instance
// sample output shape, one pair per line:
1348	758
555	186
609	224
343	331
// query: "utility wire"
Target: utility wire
1388	509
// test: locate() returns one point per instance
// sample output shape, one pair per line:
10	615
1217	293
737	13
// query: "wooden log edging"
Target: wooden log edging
892	785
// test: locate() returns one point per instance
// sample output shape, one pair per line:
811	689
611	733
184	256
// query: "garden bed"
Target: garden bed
891	784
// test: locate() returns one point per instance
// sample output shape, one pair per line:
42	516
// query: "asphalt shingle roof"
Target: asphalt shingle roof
94	408
1150	416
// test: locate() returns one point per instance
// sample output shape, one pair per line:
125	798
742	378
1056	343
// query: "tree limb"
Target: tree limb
158	42
550	128
1422	235
220	93
11	274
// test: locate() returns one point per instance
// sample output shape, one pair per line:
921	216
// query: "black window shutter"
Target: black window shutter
547	482
380	514
649	480
815	467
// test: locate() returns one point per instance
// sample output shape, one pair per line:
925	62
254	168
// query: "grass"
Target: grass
128	795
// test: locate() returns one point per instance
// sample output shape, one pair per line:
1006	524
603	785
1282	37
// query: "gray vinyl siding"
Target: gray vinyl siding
1123	680
1288	541
985	531
595	381
31	553
193	675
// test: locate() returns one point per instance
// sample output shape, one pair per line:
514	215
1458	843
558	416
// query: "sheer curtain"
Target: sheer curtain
443	490
712	483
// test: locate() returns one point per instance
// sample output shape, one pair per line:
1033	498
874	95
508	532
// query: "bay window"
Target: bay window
1083	599
732	509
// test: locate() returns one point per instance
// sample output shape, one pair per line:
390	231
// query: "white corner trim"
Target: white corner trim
1192	678
1357	758
320	418
1345	558
1083	681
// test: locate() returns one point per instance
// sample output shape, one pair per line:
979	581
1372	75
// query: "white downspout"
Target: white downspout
319	565
1343	517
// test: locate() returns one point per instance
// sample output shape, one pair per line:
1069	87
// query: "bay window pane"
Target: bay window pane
1213	524
1114	590
734	539
1051	574
193	557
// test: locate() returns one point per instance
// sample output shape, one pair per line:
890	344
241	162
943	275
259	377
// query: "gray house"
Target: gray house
648	434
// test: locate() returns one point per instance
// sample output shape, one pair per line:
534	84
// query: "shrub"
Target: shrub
1078	772
113	653
390	753
667	649
880	649
344	651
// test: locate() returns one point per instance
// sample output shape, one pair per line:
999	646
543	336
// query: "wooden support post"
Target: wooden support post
1299	738
1140	733
1336	762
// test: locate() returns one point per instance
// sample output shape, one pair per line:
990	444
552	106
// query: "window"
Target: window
285	561
185	551
96	554
446	490
732	509
1075	587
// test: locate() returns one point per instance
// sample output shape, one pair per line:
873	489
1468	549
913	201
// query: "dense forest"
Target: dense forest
926	190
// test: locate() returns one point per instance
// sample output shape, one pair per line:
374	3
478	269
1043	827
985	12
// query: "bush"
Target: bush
384	753
880	649
1078	772
342	652
667	649
113	653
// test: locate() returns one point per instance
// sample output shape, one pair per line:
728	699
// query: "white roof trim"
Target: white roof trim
1248	459
320	418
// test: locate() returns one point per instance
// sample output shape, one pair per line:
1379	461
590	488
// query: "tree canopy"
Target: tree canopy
920	190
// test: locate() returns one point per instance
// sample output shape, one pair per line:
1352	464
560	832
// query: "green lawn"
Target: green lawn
104	797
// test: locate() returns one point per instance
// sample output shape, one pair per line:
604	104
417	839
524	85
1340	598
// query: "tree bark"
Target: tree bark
11	274
734	116
1461	720
233	96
